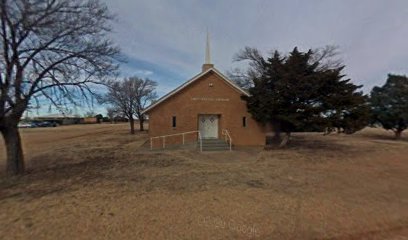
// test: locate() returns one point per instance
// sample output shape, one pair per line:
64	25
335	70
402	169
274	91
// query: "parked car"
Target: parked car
26	125
46	124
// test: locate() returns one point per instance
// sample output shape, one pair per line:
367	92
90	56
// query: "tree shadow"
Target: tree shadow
112	168
41	181
385	137
302	142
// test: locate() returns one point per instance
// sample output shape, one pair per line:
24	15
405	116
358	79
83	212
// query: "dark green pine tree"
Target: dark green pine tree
295	92
346	108
389	104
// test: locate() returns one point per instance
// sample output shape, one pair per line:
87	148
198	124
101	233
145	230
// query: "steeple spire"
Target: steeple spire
207	50
207	64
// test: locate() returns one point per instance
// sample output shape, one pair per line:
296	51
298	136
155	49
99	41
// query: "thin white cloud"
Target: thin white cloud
144	73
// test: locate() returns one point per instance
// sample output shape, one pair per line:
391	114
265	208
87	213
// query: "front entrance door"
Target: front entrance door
208	126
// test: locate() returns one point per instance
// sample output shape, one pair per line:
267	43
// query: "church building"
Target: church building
209	104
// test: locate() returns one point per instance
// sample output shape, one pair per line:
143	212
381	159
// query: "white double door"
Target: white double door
208	126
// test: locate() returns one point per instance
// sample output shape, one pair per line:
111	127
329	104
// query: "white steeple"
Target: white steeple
207	50
207	64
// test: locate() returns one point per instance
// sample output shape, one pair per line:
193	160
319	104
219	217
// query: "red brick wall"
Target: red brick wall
201	98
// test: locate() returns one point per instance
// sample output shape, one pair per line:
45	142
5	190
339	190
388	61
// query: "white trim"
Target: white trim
184	85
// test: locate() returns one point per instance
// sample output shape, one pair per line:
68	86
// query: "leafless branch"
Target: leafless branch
56	49
130	96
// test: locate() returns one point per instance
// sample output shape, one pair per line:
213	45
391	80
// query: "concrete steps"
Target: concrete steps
215	145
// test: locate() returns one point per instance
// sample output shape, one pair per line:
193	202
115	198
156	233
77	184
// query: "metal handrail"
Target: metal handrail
227	138
163	137
201	141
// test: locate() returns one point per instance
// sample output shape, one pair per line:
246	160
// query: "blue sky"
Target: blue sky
164	40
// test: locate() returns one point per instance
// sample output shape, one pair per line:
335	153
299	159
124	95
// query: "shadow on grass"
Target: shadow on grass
42	181
384	137
66	175
302	142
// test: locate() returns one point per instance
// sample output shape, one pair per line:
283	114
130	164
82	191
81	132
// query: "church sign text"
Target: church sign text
210	99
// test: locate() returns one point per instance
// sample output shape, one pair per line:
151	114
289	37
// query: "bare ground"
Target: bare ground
97	182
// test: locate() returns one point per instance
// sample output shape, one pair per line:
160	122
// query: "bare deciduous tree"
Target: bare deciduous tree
327	57
240	77
130	97
111	112
51	50
245	78
89	114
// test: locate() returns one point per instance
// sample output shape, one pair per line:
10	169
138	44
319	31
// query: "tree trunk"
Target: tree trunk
277	133
15	157
141	121
328	131
285	140
277	138
398	134
132	125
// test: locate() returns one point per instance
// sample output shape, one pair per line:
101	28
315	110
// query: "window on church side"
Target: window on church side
174	123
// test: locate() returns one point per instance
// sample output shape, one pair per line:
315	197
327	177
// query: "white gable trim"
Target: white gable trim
184	85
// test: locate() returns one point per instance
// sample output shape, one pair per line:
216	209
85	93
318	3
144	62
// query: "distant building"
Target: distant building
62	119
208	103
88	120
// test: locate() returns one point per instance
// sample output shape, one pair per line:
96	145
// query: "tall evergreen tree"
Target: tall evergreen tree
295	91
346	109
389	104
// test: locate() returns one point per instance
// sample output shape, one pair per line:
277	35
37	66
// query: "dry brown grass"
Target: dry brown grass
96	182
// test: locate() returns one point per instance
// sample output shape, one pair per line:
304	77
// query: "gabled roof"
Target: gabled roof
195	78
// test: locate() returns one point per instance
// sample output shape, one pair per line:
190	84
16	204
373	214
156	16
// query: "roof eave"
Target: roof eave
181	87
